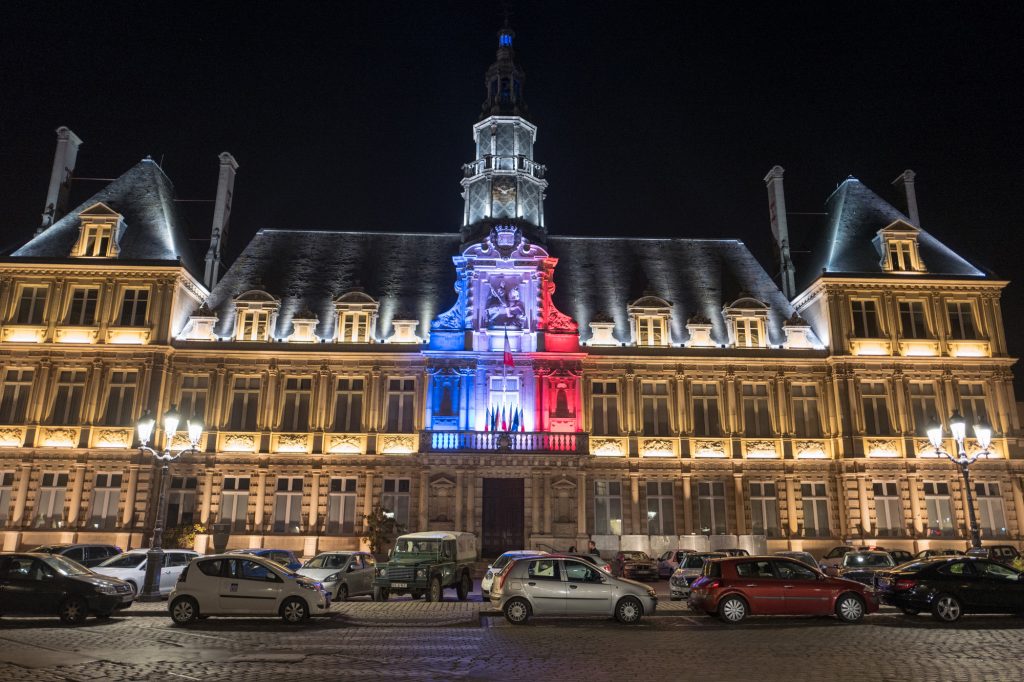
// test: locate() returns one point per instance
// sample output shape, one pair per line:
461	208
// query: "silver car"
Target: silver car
689	570
500	563
343	574
555	586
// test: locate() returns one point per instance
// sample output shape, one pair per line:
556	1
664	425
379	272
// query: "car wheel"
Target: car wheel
294	610
184	610
380	594
73	611
849	608
732	609
629	610
434	592
947	608
517	611
342	593
465	586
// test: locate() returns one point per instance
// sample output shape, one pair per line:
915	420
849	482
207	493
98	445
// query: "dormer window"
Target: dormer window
747	320
648	317
256	315
354	327
898	244
357	317
99	233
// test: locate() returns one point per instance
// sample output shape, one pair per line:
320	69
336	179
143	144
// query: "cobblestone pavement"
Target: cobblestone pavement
884	647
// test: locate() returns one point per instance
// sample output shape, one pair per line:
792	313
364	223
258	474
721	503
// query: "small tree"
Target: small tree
184	536
381	529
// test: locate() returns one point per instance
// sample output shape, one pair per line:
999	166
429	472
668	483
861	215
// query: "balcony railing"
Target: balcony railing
502	441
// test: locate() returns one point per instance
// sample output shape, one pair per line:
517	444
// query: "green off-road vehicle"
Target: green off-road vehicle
425	564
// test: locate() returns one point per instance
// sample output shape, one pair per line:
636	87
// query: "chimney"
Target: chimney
221	216
60	177
780	229
906	179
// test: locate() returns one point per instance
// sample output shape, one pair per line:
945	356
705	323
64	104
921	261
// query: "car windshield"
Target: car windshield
327	561
124	561
867	560
416	546
635	556
65	566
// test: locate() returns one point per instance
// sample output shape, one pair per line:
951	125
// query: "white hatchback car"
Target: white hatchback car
131	567
242	585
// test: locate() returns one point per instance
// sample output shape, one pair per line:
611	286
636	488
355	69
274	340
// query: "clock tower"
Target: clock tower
504	184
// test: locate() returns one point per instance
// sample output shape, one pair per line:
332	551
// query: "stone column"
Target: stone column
1018	502
536	486
794	524
865	512
458	499
127	516
634	499
687	505
630	412
470	498
314	503
77	489
205	510
261	496
741	515
581	504
547	504
21	499
424	501
367	499
915	505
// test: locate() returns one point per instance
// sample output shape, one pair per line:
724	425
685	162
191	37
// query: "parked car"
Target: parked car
688	571
244	585
594	559
1004	554
734	551
669	561
343	574
426	563
833	558
736	587
948	587
862	566
901	556
38	584
805	557
282	557
500	563
937	552
634	565
556	586
85	554
131	567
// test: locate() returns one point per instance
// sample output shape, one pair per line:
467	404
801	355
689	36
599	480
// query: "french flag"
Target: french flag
507	360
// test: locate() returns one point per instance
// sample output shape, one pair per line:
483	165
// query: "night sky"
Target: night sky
656	119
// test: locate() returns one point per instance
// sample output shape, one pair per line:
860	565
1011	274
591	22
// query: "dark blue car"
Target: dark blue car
280	556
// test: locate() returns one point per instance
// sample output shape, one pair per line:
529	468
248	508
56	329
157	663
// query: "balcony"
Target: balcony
501	441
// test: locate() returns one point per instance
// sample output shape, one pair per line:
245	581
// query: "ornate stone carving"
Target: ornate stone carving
761	448
293	442
11	435
606	446
709	448
344	443
59	437
240	442
396	444
658	445
113	438
809	449
882	447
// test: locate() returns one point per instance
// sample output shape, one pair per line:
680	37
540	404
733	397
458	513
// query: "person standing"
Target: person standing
592	548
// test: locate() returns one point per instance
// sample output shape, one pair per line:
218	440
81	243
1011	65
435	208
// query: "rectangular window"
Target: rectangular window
654	408
940	510
134	307
252	324
504	393
14	399
961	320
288	505
888	511
711	505
95	240
341	507
192	399
608	507
972	402
298	391
815	499
756	419
82	310
651	330
181	501
748	332
806	418
120	398
913	320
875	408
605	408
106	493
661	508
706	420
396	499
50	504
400	400
354	327
923	406
992	520
32	305
245	402
348	405
6	496
901	254
865	319
764	509
68	394
234	502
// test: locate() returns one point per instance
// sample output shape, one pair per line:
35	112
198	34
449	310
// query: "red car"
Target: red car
736	587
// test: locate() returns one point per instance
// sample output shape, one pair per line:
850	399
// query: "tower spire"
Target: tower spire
504	78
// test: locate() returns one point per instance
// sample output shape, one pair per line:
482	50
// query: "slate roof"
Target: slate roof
845	246
412	275
153	228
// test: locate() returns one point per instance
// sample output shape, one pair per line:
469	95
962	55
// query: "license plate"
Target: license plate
127	597
399	584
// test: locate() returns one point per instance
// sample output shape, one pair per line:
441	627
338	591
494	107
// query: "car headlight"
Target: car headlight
651	592
106	589
310	585
332	578
382	572
421	573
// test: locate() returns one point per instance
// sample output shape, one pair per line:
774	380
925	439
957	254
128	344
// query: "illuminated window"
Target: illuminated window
504	393
815	503
234	502
651	331
608	507
32	305
69	391
661	514
82	310
940	513
134	307
355	327
245	401
192	398
648	317
6	495
348	405
992	508
120	398
181	501
913	320
256	315
605	414
898	246
400	401
806	419
764	509
357	316
875	407
14	399
923	405
865	319
711	507
106	493
961	320
972	402
49	510
747	320
706	419
298	392
756	411
749	333
341	506
288	505
252	325
395	499
888	509
901	254
654	407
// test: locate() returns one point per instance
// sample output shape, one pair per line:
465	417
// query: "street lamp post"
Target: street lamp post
155	555
958	429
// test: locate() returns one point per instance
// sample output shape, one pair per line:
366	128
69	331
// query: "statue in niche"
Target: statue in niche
562	401
505	306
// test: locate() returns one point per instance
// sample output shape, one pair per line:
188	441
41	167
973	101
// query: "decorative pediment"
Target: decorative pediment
505	242
898	247
99	232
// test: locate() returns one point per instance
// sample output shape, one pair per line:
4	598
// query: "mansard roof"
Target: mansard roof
846	244
153	228
415	273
